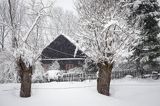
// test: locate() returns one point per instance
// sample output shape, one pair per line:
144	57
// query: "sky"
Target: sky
69	5
66	5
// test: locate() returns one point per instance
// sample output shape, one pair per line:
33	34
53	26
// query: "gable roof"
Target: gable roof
62	47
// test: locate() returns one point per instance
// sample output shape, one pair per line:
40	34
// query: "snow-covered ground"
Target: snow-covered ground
124	92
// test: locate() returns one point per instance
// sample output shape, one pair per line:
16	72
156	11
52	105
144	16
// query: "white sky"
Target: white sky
66	4
69	5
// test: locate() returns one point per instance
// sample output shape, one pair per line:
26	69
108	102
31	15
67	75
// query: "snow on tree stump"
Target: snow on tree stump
25	75
104	78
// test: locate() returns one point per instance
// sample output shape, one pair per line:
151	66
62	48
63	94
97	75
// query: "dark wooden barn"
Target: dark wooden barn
65	52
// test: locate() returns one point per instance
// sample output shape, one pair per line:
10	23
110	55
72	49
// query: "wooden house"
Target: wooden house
65	52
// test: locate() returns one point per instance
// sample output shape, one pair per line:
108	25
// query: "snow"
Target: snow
112	22
31	28
72	40
75	52
136	3
53	74
8	72
124	92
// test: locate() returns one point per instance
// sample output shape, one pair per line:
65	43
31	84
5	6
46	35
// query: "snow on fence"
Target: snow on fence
78	77
115	75
122	74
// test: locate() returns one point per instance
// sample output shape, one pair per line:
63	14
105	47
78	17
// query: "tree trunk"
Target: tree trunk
104	78
2	43
25	75
139	67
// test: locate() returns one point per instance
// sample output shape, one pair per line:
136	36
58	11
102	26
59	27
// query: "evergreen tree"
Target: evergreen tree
144	15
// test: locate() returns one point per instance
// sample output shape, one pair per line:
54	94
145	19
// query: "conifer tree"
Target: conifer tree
144	15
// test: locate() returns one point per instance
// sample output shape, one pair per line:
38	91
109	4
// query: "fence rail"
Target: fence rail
77	77
114	75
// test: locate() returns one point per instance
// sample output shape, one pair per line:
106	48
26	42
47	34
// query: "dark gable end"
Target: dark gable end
61	47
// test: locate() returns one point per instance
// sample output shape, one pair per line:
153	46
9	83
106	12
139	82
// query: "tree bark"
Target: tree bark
25	75
104	78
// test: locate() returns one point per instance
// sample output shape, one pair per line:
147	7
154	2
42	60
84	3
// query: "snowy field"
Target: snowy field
124	92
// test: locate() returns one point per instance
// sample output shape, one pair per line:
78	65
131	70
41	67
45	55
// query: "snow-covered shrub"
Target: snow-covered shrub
55	66
38	73
8	72
54	75
128	77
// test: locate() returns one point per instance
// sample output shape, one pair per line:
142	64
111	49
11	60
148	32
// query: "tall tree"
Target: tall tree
109	38
12	8
11	15
62	22
3	26
23	21
144	15
28	53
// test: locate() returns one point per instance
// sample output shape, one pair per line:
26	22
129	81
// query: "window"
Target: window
69	66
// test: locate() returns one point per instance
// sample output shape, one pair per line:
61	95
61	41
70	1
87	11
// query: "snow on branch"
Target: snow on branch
31	28
113	42
110	23
28	53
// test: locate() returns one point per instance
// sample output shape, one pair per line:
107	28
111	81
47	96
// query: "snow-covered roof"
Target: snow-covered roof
70	39
62	47
73	42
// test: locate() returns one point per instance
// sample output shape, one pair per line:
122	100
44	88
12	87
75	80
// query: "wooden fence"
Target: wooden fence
122	74
91	76
115	75
78	77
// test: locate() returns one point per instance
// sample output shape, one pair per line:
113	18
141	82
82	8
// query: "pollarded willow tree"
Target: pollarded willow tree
109	38
26	40
29	48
